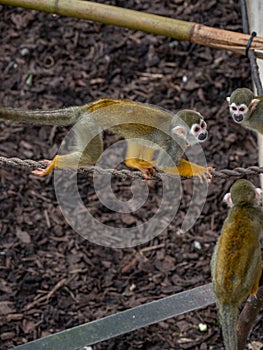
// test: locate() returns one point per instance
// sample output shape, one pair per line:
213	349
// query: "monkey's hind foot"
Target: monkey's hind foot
148	172
47	170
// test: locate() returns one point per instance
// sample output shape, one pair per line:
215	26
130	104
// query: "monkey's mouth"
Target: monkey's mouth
202	136
238	118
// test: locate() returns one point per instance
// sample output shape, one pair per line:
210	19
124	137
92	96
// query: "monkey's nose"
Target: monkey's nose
202	136
238	118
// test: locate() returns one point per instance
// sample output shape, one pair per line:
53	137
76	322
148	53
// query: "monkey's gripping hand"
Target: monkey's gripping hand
188	169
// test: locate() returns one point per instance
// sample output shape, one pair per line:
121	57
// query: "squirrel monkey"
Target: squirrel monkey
246	109
145	128
236	261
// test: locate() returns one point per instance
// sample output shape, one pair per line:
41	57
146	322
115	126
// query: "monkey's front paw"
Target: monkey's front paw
204	174
47	170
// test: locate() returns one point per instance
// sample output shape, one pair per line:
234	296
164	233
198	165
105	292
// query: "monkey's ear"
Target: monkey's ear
180	131
258	194
228	200
253	104
228	99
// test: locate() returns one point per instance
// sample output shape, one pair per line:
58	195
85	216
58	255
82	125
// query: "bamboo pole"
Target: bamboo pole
177	29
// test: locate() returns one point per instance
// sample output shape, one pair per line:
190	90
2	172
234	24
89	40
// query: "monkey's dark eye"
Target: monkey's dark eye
242	109
234	108
196	129
203	124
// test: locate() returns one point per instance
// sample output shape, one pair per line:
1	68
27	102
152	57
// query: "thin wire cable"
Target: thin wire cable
250	53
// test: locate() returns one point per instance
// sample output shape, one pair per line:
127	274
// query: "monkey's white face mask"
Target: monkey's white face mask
241	112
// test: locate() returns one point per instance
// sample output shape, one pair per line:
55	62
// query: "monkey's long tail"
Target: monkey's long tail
228	318
66	116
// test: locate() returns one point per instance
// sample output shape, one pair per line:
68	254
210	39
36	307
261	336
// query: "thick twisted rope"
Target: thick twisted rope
30	164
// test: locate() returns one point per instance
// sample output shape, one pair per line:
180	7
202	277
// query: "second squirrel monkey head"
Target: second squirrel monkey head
190	126
241	104
243	192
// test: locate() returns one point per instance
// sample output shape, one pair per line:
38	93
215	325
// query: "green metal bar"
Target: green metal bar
125	321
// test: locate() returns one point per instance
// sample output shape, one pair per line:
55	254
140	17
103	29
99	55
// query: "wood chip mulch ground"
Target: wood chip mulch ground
51	278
